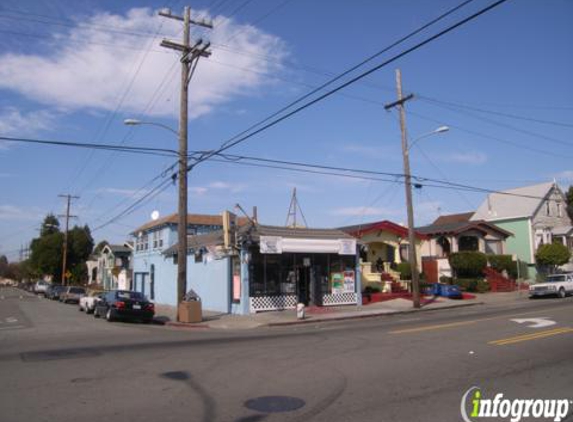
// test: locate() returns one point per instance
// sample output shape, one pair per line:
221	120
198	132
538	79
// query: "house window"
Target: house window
559	211
493	247
157	240
548	208
468	243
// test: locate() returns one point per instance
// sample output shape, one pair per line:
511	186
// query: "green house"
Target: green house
535	215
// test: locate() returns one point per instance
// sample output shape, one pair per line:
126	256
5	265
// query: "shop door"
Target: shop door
303	280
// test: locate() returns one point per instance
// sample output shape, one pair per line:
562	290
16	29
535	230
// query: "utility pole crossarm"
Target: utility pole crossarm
398	102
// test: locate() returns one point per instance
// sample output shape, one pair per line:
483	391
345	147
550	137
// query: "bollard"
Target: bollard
300	311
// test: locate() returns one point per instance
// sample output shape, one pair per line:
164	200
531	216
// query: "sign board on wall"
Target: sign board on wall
271	244
349	282
337	280
279	245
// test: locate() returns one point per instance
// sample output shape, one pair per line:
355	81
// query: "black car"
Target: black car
124	304
54	291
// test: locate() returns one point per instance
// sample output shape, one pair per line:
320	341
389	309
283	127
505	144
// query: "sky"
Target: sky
74	70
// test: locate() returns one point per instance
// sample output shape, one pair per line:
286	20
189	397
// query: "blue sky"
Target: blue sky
73	71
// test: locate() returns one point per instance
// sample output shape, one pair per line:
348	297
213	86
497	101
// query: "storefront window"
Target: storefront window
293	273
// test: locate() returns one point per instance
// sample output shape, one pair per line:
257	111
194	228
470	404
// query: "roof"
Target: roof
513	203
388	226
453	218
255	233
561	231
462	226
119	249
192	219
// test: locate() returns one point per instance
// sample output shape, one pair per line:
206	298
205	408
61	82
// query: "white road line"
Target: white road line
11	320
12	327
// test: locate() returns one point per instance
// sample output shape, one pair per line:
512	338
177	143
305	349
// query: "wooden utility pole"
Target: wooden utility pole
65	247
189	57
412	256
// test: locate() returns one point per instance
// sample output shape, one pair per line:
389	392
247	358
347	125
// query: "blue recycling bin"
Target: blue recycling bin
434	289
452	292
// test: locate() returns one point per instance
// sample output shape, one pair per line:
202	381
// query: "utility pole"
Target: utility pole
189	57
67	216
408	185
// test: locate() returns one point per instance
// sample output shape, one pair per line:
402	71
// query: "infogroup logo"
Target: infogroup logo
512	409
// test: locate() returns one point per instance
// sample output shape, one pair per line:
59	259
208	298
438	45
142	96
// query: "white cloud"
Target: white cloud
11	213
86	71
472	158
363	211
16	122
199	191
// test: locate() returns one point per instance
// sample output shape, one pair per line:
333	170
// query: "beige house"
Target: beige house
383	245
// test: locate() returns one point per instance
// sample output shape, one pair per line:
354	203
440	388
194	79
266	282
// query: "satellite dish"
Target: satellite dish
155	215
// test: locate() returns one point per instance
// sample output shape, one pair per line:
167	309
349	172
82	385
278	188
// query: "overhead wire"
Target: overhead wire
243	136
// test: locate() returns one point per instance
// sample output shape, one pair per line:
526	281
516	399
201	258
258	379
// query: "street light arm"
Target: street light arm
135	122
441	129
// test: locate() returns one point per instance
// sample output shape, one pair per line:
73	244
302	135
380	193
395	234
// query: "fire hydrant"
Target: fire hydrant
300	311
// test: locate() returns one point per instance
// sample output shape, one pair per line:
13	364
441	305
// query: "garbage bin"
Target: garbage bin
190	309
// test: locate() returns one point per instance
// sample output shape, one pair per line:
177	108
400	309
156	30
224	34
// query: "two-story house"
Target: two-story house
535	215
154	274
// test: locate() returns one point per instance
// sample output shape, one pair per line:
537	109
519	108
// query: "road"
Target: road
57	364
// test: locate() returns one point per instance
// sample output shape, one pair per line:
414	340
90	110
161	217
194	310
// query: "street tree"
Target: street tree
551	256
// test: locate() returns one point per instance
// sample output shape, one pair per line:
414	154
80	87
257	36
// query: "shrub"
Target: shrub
503	262
372	289
472	285
405	270
468	264
446	280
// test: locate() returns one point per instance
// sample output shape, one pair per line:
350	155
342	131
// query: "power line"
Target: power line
233	141
496	113
95	146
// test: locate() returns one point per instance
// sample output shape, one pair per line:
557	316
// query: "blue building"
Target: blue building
154	273
250	268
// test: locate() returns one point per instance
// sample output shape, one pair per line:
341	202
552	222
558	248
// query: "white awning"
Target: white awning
278	245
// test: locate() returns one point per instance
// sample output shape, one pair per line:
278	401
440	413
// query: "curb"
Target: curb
187	325
372	315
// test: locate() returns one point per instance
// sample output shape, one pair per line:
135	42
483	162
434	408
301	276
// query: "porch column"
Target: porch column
453	244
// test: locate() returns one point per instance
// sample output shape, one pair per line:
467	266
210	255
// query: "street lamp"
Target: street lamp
440	129
182	202
136	122
410	208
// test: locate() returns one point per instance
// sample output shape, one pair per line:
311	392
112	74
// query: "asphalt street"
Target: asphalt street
57	364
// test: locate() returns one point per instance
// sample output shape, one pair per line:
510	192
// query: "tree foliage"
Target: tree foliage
552	255
47	250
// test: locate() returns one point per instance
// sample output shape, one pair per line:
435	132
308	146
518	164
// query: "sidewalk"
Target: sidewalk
212	320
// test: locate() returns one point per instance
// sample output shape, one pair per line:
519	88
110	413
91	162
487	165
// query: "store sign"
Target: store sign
279	245
337	280
349	282
347	247
271	244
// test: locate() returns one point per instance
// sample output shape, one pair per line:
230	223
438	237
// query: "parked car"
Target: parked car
40	287
54	291
87	302
559	285
72	294
124	304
